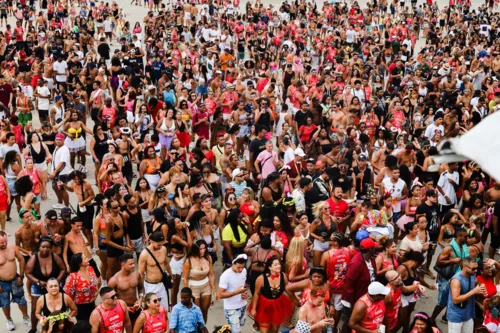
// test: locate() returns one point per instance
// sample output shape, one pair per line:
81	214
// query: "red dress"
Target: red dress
273	306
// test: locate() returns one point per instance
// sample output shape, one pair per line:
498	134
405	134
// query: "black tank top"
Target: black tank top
273	293
134	224
101	146
410	279
37	270
38	157
45	310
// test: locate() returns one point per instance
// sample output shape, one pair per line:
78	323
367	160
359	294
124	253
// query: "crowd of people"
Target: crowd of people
290	147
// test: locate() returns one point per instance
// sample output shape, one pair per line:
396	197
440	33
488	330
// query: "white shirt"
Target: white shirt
60	68
289	156
430	131
232	281
349	36
447	188
43	103
62	154
5	148
300	202
396	191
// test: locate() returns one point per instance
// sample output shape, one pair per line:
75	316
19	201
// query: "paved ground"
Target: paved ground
216	314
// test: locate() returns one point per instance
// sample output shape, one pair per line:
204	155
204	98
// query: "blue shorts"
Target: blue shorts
36	290
236	318
11	288
443	291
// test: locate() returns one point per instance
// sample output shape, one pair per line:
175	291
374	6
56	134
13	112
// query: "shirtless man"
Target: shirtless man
85	195
337	115
127	284
53	228
76	243
26	235
332	158
48	75
312	313
378	160
148	268
407	157
96	100
11	283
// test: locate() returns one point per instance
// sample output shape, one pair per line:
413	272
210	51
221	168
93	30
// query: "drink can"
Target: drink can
381	328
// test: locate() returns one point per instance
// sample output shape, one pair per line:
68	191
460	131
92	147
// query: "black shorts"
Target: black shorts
113	252
43	113
495	241
3	15
87	217
108	34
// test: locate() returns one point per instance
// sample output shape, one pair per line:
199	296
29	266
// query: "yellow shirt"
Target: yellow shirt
228	235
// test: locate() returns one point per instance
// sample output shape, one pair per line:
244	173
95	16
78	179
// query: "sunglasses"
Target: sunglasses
115	296
156	301
116	207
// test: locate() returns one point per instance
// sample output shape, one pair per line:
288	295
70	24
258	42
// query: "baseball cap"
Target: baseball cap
51	214
430	193
157	236
65	210
362	158
368	243
299	152
377	288
236	172
159	215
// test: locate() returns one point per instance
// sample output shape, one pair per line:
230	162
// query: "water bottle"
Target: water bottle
329	329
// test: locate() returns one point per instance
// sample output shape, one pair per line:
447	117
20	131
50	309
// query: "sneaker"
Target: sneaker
10	325
27	321
58	206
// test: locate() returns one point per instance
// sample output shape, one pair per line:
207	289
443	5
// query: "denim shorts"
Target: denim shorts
443	291
139	245
11	293
236	318
36	290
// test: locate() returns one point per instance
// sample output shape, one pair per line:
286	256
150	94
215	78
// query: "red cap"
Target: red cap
368	243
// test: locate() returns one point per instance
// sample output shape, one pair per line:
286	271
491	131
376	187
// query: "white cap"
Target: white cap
240	256
377	288
236	172
299	151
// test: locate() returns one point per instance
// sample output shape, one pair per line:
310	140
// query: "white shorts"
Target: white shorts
41	166
406	300
176	265
465	327
337	301
319	246
51	83
159	290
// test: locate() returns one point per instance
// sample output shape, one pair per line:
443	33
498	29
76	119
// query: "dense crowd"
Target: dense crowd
290	147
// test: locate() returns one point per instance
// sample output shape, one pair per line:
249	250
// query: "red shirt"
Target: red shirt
81	290
154	111
357	279
306	132
5	91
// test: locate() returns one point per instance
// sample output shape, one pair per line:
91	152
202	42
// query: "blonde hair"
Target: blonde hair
318	209
295	254
250	192
174	170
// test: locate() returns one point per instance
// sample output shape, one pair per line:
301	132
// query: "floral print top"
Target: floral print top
80	290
